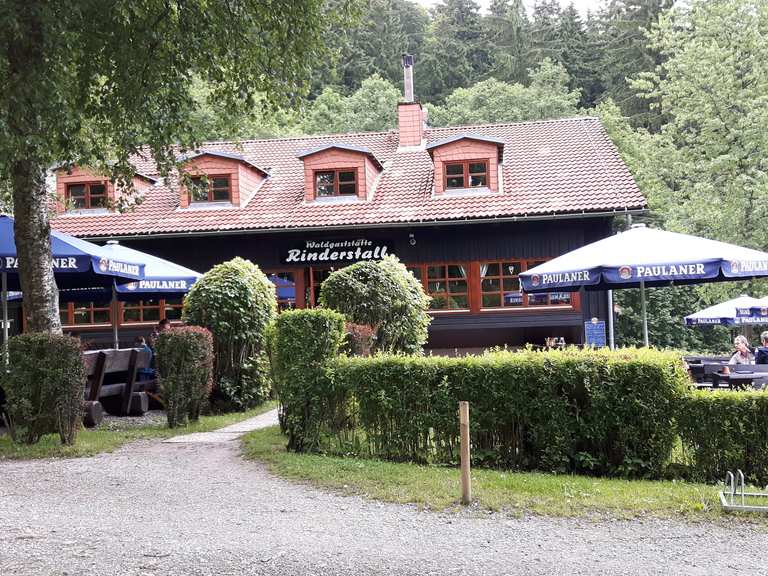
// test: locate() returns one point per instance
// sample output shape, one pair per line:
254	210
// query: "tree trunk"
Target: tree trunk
26	68
33	247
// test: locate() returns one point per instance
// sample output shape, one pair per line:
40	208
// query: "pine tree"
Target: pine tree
508	31
456	52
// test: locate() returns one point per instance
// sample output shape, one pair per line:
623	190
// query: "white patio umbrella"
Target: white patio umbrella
643	257
727	313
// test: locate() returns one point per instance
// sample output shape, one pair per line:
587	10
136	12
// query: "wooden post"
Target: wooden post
466	480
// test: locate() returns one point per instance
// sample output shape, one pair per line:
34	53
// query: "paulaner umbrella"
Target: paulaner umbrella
754	310
76	263
643	257
727	313
161	278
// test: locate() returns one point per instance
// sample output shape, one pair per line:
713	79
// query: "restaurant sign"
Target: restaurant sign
335	251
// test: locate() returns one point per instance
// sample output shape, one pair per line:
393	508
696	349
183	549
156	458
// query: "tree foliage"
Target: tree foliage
491	100
372	107
90	84
385	296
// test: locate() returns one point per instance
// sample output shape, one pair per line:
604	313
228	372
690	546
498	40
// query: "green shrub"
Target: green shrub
44	387
253	388
574	410
723	431
384	295
303	347
236	302
185	370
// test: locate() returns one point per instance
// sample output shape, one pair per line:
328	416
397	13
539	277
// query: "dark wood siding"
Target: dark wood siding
470	242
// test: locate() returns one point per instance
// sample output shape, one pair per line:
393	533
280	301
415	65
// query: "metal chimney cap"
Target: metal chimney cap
407	60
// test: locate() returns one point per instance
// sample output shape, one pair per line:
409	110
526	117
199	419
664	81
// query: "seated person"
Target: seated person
761	352
743	354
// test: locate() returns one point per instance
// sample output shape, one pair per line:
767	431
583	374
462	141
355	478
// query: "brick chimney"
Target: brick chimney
410	117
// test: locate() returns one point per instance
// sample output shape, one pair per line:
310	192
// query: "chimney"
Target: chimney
408	77
410	119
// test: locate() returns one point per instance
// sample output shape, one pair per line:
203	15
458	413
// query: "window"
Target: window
148	311
500	285
341	182
88	313
141	311
445	283
85	196
173	308
209	189
466	174
316	278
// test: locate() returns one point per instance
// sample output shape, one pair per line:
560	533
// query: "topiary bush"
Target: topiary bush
185	371
304	345
254	386
384	295
236	302
44	387
722	431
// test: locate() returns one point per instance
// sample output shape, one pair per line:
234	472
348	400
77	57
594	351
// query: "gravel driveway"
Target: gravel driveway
157	508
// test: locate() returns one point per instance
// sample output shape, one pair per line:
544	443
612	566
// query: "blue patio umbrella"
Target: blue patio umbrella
286	290
76	263
643	257
727	313
161	278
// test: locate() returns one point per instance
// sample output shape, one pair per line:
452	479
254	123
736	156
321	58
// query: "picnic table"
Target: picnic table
112	383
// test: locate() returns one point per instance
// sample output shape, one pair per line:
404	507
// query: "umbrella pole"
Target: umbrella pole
115	337
645	315
611	340
5	317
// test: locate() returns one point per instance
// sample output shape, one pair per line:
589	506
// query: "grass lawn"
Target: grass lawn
437	487
90	442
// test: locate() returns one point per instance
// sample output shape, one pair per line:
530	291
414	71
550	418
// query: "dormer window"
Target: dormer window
342	182
466	174
86	196
210	189
339	172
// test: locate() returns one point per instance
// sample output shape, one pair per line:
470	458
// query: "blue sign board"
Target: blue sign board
595	334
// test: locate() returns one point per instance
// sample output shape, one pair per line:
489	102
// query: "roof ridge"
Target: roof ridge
394	131
306	137
522	123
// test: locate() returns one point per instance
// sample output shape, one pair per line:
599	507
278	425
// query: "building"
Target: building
465	208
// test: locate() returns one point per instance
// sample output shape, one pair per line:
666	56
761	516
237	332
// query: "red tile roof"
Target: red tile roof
550	167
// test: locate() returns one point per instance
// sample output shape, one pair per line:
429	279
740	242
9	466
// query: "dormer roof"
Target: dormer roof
219	154
466	136
339	146
150	179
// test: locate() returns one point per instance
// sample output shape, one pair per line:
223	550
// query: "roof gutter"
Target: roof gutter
411	224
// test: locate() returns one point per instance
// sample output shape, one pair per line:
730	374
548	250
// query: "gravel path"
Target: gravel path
197	508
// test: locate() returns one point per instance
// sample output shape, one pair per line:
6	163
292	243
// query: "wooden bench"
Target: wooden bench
112	384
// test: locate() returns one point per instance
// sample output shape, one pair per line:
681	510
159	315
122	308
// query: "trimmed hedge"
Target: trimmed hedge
185	371
574	410
724	431
44	387
303	346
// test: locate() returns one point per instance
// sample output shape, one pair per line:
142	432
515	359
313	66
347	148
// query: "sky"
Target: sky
581	5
